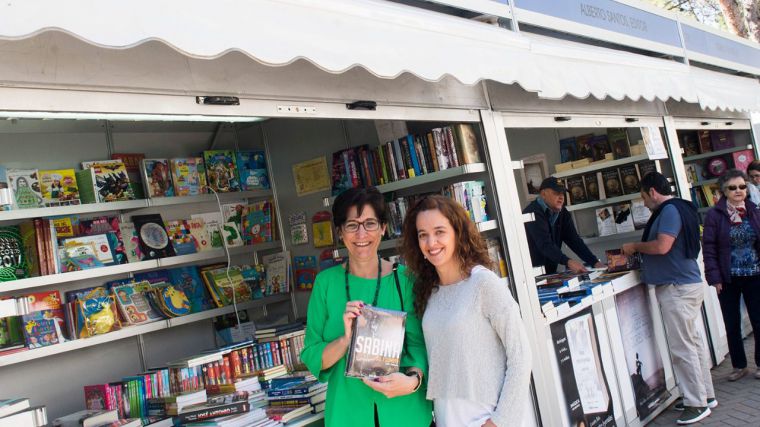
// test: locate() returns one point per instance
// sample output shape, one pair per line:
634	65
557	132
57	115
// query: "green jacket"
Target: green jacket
349	401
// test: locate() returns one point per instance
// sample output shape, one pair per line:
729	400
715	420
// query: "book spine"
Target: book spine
399	159
420	156
383	163
452	146
215	412
413	155
440	149
392	168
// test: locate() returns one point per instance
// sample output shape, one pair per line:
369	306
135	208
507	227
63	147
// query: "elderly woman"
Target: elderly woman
339	294
731	242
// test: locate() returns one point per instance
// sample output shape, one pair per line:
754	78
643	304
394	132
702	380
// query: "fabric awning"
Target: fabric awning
722	91
385	38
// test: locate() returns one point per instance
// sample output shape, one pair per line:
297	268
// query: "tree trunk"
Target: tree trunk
752	14
733	12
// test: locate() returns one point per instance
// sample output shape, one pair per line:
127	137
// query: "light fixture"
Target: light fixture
46	115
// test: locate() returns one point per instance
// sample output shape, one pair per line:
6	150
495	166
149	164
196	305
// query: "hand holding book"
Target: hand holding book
393	385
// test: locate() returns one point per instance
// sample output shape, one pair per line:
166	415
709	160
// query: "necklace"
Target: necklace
377	289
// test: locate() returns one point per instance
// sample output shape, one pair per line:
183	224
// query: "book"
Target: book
376	343
131	242
257	224
305	271
630	179
97	246
576	189
213	221
612	185
96	316
705	145
188	280
132	164
591	182
646	167
25	186
221	170
278	272
742	159
584	146
689	141
50	306
11	406
13	263
341	175
252	168
29	240
640	213
59	187
605	221
618	261
623	218
35	416
619	144
600	146
108	225
169	300
467	143
133	305
6	195
721	139
39	331
87	418
154	240
568	150
202	412
109	179
712	193
180	236
157	178
200	233
188	176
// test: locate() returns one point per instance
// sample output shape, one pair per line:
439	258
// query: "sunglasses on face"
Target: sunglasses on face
734	187
369	225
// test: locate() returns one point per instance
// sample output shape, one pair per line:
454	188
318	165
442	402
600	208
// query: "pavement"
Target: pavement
738	402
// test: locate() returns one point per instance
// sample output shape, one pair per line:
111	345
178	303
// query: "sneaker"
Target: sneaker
737	374
692	415
712	403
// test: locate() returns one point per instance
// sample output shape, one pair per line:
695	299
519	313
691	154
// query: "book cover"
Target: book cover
618	261
376	343
440	150
451	146
257	223
712	193
640	213
221	170
705	144
742	159
111	180
689	141
133	305
341	175
600	146
630	179
612	185
39	331
153	277
131	242
213	221
28	233
154	240
59	187
6	195
584	146
619	144
200	233
25	185
591	181
50	306
169	300
181	238
716	166
132	163
111	227
605	221
721	139
468	143
13	263
277	272
157	178
623	218
252	168
576	189
568	150
98	397
188	280
222	283
188	176
96	316
305	271
97	246
646	167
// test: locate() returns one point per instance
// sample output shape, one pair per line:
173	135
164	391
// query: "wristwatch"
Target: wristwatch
419	379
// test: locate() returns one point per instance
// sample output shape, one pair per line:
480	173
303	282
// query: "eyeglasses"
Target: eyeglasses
371	224
734	187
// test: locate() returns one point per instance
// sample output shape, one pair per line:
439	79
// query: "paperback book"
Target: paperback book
188	176
630	179
623	218
107	178
591	181
157	178
568	150
376	343
25	186
221	170
252	169
612	185
618	138
181	237
154	240
576	190
59	187
618	261
13	263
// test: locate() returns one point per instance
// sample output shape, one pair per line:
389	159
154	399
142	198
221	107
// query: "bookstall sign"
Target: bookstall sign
606	15
706	43
642	356
488	7
587	393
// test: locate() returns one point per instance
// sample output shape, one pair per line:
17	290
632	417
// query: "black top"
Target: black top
545	241
689	221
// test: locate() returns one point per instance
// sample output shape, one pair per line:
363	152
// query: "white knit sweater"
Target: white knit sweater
477	346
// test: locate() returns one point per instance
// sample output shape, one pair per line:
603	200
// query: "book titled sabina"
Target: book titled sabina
376	343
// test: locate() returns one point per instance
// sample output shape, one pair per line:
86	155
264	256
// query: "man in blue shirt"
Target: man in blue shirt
669	249
553	226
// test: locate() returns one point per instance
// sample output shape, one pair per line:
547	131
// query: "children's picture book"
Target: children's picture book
222	283
132	163
96	316
213	221
605	221
200	233
612	185
110	226
252	169
25	186
630	179
59	187
189	176
188	280
157	178
257	222
376	343
278	272
133	305
619	144
221	170
568	150
182	239
169	300
39	331
305	272
13	263
97	246
154	277
231	235
50	306
154	240
131	242
623	218
110	180
576	190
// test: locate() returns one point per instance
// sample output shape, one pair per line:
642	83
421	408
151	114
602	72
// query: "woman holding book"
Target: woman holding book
478	351
731	250
339	294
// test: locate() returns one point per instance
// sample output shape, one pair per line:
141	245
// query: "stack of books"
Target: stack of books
20	412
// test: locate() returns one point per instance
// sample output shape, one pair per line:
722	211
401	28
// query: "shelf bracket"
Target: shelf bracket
528	217
517	164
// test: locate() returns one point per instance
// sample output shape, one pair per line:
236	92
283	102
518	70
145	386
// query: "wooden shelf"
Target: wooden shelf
128	205
716	153
600	166
52	279
131	331
604	202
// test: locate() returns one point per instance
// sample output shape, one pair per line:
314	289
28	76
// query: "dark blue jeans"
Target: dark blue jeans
729	297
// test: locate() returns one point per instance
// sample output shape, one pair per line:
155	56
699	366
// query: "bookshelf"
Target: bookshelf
705	182
52	279
716	153
132	331
631	235
604	202
597	166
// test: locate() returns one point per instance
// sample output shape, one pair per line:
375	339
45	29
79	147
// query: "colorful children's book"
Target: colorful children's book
182	239
742	159
252	169
213	221
131	242
221	170
133	305
154	277
13	263
189	176
188	280
157	178
257	223
221	285
96	245
278	272
154	240
59	187
39	331
108	179
96	316
171	301
305	271
132	163
200	233
111	227
50	306
25	186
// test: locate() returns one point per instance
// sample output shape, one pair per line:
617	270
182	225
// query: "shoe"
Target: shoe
712	403
757	374
737	374
692	415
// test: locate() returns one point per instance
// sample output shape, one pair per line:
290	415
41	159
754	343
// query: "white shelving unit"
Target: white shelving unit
604	202
631	235
131	331
594	167
716	153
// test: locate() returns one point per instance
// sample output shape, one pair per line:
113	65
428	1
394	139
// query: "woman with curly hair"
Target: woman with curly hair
478	352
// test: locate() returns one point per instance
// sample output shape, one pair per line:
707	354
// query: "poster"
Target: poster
587	393
642	356
311	176
653	142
